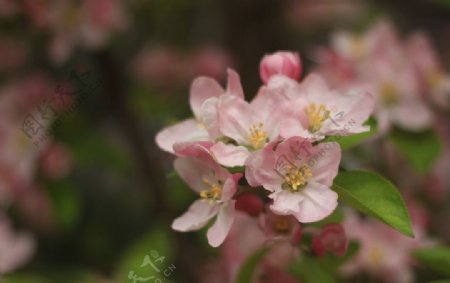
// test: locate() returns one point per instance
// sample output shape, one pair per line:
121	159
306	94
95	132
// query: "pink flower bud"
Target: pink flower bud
280	63
250	204
332	238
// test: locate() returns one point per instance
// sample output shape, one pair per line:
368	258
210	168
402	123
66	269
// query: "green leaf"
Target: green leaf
436	258
310	270
347	142
440	281
247	270
420	149
155	245
373	195
66	202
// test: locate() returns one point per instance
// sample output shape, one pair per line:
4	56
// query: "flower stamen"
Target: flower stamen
297	178
257	137
213	193
316	116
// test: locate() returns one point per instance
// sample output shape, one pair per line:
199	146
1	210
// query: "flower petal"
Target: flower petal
319	202
185	131
286	202
203	88
324	162
234	86
197	216
230	155
219	231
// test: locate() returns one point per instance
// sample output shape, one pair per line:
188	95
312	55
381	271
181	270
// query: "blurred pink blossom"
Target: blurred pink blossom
158	67
56	161
12	54
208	61
384	253
16	248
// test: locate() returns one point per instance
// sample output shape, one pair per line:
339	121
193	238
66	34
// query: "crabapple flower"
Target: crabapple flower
280	63
216	188
314	111
298	175
191	130
249	125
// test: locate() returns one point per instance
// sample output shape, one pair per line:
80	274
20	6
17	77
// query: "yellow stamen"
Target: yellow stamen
435	78
297	178
316	116
282	224
257	137
376	256
389	94
357	47
213	193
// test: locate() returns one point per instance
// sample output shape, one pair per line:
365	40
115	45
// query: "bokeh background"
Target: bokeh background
86	195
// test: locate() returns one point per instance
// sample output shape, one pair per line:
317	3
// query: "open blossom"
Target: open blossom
299	175
314	111
216	188
249	125
280	63
194	129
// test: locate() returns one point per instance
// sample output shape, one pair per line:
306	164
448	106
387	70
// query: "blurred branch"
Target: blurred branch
145	153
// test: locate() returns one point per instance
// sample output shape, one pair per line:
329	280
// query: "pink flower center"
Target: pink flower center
316	114
297	178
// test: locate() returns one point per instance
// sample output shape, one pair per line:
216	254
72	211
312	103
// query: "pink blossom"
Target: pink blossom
250	126
17	248
280	227
280	63
246	238
378	62
8	8
298	176
209	61
434	81
383	252
158	67
216	187
56	161
314	111
202	90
